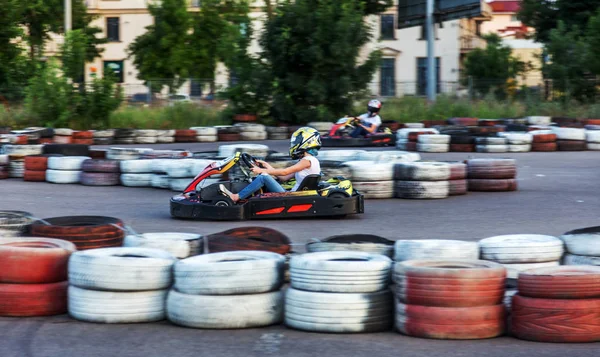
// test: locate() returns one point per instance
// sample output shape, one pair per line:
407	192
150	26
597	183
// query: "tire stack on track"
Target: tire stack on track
185	136
248	238
17	154
517	141
205	134
422	180
277	132
457	182
372	179
463	121
394	156
14	223
100	172
229	290
83	137
252	131
433	143
539	120
126	154
124	136
65	169
322	127
543	140
593	139
160	178
103	137
36	166
450	299
165	136
259	151
180	245
431	249
570	139
119	285
67	149
86	232
559	304
491	144
181	172
228	133
406	138
136	173
521	252
582	246
492	175
367	243
33	278
63	136
339	292
414	125
146	136
461	142
4	167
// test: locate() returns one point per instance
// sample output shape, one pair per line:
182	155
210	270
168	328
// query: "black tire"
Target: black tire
67	149
337	195
516	127
461	139
124	133
224	202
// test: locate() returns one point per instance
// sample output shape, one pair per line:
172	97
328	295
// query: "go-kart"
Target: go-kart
339	135
314	198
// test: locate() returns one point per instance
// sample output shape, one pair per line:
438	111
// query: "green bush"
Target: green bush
179	116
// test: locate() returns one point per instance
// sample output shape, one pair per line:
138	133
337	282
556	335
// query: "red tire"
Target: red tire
555	320
487	122
492	185
411	146
592	121
34	260
457	187
491	168
33	299
462	147
185	139
46	141
544	138
63	139
458	170
450	323
78	135
36	162
414	136
562	282
86	232
3	172
463	121
479	130
34	176
21	140
460	283
249	238
83	141
571	145
229	136
544	147
185	133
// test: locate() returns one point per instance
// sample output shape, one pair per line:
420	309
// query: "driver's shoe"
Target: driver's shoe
225	191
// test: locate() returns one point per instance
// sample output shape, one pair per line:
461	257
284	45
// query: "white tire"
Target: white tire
491	148
517	138
431	249
63	176
519	148
584	241
253	135
136	166
339	313
145	133
230	273
136	180
250	127
159	181
66	162
112	307
121	269
340	155
146	140
423	171
433	139
537	120
372	248
414	125
179	184
521	248
491	141
540	132
207	138
433	147
282	130
320	125
4	160
204	130
592	136
371	171
375	189
513	270
342	272
179	245
225	312
569	133
402	144
387	156
159	166
103	133
257	150
593	146
572	259
422	189
165	139
403	133
63	131
126	154
165	133
22	150
180	168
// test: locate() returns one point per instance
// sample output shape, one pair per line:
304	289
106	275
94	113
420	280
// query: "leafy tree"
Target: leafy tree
48	97
81	21
102	97
494	67
40	17
73	54
312	49
13	65
162	52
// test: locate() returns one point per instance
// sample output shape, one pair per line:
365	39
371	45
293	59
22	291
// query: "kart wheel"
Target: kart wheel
224	202
337	195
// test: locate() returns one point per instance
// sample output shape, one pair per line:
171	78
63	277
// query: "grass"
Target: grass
180	116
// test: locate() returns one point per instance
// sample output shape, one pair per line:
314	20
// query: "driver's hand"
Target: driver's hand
258	170
264	164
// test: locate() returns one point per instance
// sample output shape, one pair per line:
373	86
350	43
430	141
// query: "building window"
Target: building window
422	75
195	88
112	29
424	32
387	27
388	77
116	67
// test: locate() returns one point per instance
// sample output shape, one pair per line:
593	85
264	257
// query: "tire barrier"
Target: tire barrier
367	243
491	174
86	232
430	249
4	167
248	238
180	245
422	180
582	246
14	223
372	179
65	169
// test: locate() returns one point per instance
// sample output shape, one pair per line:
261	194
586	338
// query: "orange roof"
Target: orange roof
505	6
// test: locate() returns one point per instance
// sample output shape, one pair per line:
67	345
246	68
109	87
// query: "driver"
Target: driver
304	146
368	122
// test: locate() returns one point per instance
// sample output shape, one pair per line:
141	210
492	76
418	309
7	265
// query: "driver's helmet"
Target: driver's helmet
373	106
304	139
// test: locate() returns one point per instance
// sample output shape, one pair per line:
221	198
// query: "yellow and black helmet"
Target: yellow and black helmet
304	139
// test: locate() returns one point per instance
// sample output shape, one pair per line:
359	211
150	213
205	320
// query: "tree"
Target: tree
81	21
12	62
73	55
40	17
494	67
312	50
162	52
49	97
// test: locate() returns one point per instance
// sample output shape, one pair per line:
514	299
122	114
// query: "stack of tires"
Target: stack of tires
559	304
16	155
160	178
570	139
35	167
422	180
543	140
165	136
100	172
433	143
491	144
449	299
65	169
323	127
582	246
372	179
492	175
124	136
228	290
277	132
539	120
103	137
63	136
517	141
252	131
414	125
462	143
4	165
340	155
146	136
136	173
125	154
86	232
83	137
180	245
520	252
119	285
593	139
339	292
429	249
352	242
205	134
393	156
457	182
257	150
33	278
185	136
14	223
228	133
406	139
180	173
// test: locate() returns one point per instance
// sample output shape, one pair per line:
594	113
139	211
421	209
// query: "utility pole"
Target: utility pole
68	14
431	67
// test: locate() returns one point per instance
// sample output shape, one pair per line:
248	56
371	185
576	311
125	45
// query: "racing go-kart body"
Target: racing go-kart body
339	135
314	198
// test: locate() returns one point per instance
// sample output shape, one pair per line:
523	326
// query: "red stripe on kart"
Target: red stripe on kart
300	208
271	211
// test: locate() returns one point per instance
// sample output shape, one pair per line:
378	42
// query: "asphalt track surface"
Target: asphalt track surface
557	192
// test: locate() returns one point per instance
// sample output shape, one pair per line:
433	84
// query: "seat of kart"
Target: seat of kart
310	182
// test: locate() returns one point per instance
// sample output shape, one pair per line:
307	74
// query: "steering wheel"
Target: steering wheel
249	160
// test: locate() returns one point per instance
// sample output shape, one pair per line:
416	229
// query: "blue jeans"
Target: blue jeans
259	182
359	131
